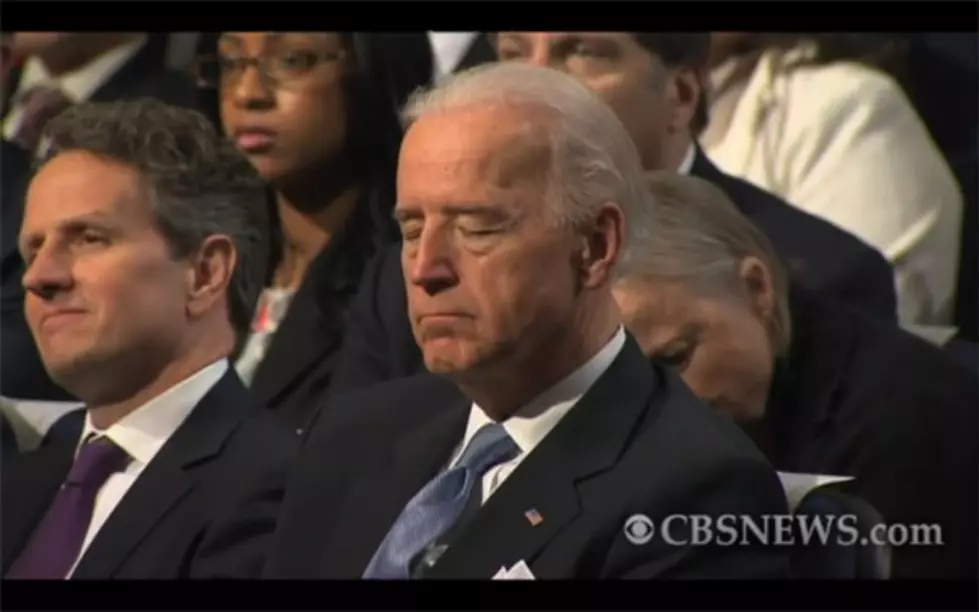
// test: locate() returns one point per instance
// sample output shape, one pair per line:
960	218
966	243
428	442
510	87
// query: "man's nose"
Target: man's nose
430	263
47	273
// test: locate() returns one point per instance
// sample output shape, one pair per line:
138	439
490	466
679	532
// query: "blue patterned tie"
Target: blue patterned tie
433	510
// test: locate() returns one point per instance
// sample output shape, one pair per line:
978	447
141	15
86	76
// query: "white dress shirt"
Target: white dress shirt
448	49
687	163
529	425
142	433
843	142
78	85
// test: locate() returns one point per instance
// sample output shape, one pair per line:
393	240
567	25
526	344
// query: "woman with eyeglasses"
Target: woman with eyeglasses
316	113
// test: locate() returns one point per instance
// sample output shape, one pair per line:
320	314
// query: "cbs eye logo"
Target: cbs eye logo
639	529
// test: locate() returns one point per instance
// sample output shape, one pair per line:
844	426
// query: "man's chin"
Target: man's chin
447	358
71	372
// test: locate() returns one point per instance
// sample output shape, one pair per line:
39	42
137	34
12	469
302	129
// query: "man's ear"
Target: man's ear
602	246
756	281
685	89
210	272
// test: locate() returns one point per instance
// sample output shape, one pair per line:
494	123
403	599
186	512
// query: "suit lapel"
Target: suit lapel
305	338
313	326
10	85
30	482
586	442
800	405
378	499
167	480
480	52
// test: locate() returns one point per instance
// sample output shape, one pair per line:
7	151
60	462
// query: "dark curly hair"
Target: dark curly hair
198	182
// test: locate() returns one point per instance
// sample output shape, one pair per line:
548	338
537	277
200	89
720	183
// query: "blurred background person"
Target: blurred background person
816	118
652	81
316	113
52	70
820	387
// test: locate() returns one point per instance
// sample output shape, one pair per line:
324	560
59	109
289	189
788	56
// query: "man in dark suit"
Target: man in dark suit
538	451
144	259
651	81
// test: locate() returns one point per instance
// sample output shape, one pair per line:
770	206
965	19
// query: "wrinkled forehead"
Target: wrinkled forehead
500	146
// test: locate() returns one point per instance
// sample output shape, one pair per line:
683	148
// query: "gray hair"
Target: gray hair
199	184
594	159
699	238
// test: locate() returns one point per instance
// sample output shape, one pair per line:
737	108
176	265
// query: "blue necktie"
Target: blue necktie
433	510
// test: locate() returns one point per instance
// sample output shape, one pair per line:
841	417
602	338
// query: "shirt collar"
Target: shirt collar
687	164
144	431
449	48
80	84
534	421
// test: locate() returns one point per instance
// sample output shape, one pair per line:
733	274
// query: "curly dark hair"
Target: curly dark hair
199	184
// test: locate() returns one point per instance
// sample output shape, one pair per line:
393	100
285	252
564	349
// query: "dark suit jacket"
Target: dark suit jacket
8	439
819	255
480	52
302	356
203	508
637	442
23	375
860	398
379	344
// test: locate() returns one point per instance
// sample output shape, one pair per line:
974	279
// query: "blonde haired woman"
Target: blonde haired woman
821	389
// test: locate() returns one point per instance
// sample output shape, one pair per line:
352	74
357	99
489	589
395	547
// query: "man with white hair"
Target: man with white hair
543	428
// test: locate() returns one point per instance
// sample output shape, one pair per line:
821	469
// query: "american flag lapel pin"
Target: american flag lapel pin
534	517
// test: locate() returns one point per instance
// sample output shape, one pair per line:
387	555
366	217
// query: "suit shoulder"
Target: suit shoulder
263	442
897	386
898	363
693	433
763	205
389	405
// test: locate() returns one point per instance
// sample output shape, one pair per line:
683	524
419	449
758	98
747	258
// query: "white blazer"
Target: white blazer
843	142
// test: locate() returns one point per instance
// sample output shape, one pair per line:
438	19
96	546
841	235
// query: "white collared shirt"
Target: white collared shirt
78	85
142	433
687	164
529	425
448	49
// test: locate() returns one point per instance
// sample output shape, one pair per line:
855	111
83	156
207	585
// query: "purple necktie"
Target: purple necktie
55	544
41	104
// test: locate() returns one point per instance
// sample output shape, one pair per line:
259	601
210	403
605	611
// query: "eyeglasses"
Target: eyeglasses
277	69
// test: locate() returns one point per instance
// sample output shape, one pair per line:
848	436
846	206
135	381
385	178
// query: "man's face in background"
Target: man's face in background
654	102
